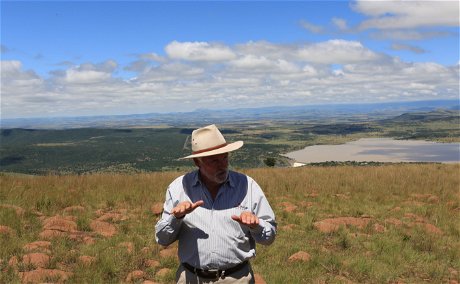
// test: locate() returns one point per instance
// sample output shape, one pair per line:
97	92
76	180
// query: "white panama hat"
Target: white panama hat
208	141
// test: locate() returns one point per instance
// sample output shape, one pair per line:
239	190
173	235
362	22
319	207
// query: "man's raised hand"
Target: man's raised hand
247	218
185	207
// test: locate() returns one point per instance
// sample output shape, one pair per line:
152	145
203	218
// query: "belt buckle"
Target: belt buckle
213	273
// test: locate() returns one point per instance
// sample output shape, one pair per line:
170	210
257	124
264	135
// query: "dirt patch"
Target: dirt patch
288	227
288	206
37	259
60	223
44	275
163	272
169	252
112	217
157	208
18	210
151	263
300	256
103	228
333	224
394	221
258	279
87	260
7	231
74	209
135	276
42	246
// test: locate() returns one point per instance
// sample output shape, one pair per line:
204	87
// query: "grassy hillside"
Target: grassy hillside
375	224
135	150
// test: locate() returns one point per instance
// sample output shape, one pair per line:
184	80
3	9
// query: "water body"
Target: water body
380	150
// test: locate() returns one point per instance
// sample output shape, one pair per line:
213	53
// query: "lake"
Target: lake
380	150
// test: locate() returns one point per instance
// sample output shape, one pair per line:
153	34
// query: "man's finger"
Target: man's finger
236	218
197	204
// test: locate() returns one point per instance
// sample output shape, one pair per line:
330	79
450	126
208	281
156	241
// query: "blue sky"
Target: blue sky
97	58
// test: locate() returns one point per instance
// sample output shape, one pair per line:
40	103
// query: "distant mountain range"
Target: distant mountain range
313	113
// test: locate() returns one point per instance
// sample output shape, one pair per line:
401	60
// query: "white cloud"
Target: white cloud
395	14
252	62
198	51
337	52
85	76
341	24
415	49
311	27
408	34
257	74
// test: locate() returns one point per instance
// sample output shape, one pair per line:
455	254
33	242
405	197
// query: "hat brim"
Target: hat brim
227	148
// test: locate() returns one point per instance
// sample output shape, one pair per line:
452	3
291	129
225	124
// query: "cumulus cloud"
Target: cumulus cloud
395	14
198	51
206	75
415	49
337	52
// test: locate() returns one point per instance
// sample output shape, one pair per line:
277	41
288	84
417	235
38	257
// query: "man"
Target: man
217	215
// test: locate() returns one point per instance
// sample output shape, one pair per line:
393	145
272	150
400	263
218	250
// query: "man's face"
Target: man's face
214	168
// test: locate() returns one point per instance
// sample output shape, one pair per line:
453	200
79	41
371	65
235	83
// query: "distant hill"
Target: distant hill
437	115
311	113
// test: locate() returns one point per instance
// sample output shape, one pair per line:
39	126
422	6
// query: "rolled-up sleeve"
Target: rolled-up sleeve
265	233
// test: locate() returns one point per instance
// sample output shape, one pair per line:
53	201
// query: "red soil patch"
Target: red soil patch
44	275
43	246
5	230
288	206
300	256
135	276
379	228
307	204
163	272
333	224
258	279
87	260
426	197
19	211
288	227
157	208
416	218
169	252
37	259
151	263
429	228
394	221
13	262
112	217
60	223
51	234
103	228
74	209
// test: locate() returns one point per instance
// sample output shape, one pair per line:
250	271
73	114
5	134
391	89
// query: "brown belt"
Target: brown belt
214	274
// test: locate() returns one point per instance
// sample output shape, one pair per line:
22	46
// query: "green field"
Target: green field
384	224
135	150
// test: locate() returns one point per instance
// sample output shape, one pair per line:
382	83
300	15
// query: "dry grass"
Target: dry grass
411	233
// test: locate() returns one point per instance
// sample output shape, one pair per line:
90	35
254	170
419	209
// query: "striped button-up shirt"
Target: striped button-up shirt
208	237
